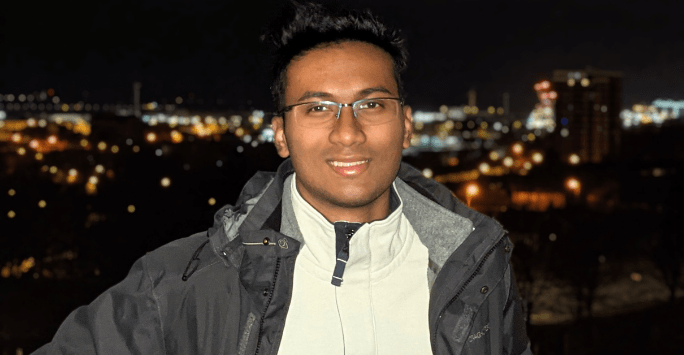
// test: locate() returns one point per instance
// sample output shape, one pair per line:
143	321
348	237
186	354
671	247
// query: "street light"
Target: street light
517	148
538	157
471	190
573	185
574	159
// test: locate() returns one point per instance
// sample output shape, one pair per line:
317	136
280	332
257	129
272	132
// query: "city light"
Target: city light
11	192
91	189
151	137
427	172
73	174
573	185
658	112
212	201
471	191
538	157
517	148
508	162
176	136
131	208
574	159
165	182
484	168
42	203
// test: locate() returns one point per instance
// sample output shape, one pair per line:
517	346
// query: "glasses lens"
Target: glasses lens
315	114
376	111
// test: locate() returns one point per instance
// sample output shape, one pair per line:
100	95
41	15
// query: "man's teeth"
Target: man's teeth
339	163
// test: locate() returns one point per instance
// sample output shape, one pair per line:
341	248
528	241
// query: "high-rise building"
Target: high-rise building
472	98
588	113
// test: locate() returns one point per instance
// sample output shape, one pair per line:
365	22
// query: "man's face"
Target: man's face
344	73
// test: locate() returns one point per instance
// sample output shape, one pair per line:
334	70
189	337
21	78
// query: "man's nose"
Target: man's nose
347	130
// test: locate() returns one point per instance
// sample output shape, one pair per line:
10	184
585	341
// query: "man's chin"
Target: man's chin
354	198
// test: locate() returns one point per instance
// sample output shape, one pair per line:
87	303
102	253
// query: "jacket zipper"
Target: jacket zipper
268	303
453	299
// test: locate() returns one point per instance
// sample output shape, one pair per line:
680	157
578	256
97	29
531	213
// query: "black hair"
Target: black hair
308	26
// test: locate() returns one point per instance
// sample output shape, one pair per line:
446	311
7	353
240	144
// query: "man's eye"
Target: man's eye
318	108
370	105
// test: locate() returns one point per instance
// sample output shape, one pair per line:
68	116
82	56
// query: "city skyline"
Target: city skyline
95	51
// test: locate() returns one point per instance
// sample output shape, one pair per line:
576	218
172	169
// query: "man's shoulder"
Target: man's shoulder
180	257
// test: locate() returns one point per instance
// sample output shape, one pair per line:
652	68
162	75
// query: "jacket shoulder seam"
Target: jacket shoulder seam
207	266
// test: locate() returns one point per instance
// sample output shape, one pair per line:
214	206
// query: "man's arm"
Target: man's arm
123	320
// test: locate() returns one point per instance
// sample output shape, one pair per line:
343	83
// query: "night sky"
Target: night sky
94	50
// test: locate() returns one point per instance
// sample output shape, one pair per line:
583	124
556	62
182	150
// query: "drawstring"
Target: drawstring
195	260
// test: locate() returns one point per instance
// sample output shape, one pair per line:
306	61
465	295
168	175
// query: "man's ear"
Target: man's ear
408	126
279	137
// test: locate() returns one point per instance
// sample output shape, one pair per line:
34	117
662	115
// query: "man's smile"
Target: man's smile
349	168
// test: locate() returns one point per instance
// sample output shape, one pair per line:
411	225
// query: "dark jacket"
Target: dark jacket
227	290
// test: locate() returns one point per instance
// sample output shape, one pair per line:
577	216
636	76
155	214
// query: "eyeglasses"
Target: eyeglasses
321	114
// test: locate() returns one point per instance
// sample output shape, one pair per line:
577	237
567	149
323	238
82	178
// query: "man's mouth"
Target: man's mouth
344	164
349	168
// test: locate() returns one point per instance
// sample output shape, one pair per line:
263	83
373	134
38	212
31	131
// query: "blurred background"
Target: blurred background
125	125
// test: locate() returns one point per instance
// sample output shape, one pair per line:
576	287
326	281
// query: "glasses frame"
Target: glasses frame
354	105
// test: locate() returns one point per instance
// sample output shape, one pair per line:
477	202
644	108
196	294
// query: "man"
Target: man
344	250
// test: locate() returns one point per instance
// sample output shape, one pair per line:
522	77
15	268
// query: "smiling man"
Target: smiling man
345	158
343	250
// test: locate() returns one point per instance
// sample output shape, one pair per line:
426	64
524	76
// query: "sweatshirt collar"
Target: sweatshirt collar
371	249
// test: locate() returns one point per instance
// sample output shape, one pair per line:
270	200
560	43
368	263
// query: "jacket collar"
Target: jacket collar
430	207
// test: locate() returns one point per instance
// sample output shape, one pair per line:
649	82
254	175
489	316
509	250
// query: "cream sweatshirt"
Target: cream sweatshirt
381	307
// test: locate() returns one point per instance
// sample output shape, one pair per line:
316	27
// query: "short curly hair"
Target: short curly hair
308	26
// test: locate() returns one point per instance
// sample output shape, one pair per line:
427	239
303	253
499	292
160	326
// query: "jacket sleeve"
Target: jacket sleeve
123	320
514	321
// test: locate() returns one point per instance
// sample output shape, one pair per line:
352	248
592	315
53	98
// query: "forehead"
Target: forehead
341	70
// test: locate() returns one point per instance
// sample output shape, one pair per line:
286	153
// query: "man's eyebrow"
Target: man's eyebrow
311	94
326	95
382	89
